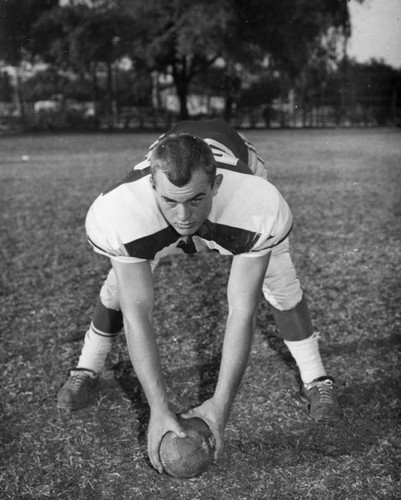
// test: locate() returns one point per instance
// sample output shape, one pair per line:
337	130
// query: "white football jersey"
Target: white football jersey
248	215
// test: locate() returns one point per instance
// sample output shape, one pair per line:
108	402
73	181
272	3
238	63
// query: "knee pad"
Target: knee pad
109	292
281	286
282	295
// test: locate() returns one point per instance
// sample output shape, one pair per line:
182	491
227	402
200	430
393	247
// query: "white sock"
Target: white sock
95	350
307	356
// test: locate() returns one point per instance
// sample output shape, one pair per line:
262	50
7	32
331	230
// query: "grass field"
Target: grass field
344	189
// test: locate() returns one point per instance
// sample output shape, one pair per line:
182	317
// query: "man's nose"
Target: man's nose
183	212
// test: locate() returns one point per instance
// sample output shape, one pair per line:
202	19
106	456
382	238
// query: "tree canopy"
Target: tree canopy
183	38
17	18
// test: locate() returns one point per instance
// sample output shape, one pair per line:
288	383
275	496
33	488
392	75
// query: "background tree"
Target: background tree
17	18
6	88
297	37
374	91
86	38
182	38
239	49
186	37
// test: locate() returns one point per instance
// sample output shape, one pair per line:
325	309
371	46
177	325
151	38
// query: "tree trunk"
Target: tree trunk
95	94
20	98
110	95
181	82
156	99
182	97
229	91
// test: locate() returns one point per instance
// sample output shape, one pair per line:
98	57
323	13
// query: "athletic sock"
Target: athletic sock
307	356
96	347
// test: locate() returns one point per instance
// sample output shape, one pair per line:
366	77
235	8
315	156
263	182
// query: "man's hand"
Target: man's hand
244	288
136	294
160	423
216	418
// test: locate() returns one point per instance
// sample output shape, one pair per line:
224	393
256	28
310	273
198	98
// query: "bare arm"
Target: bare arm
136	292
244	288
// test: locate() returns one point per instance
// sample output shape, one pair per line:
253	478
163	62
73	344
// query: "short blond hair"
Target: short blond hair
179	155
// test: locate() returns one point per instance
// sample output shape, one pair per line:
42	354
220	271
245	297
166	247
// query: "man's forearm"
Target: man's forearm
243	293
144	355
145	358
136	294
236	349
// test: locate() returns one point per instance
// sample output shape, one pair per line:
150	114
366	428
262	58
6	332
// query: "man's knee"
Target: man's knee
283	294
281	286
109	296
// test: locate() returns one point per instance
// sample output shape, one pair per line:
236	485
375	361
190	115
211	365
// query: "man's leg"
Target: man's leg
283	291
80	389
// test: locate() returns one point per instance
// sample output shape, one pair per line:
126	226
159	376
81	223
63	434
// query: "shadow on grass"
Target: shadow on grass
125	376
180	380
367	427
392	342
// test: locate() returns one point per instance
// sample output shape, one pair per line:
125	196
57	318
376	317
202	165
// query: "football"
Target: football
190	456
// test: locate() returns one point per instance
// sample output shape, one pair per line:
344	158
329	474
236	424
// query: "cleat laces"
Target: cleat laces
79	390
325	391
77	378
320	396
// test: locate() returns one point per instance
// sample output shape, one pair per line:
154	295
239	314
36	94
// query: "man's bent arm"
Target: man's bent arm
136	294
244	290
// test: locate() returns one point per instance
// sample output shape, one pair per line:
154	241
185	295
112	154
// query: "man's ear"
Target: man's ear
217	183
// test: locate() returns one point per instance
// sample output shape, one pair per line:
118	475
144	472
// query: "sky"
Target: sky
376	31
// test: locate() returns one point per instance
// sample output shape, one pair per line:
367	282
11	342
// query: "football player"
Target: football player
201	187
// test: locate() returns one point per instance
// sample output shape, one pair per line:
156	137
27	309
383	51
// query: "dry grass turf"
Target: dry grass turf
344	189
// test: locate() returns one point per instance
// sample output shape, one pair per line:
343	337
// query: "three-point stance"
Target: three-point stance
201	187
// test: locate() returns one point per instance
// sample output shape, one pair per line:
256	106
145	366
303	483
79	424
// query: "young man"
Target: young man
201	187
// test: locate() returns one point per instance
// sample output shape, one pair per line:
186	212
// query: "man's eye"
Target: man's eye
196	202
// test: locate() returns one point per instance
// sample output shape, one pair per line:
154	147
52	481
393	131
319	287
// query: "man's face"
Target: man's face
186	208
